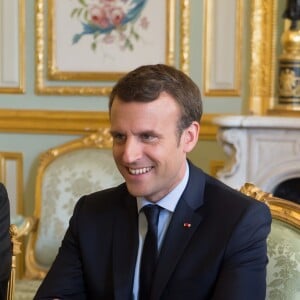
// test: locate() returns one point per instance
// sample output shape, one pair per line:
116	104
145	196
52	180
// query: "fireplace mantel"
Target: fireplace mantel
267	122
264	150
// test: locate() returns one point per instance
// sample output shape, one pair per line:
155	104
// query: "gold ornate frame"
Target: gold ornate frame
20	89
42	84
262	81
262	61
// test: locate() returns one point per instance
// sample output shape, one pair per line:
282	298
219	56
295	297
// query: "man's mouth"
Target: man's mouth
139	171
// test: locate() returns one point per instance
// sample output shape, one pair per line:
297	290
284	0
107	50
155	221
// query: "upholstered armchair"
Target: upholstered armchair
64	174
283	271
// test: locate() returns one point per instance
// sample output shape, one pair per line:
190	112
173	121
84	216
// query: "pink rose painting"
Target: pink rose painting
111	21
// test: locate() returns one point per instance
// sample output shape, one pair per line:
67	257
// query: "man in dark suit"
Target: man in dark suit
5	244
211	239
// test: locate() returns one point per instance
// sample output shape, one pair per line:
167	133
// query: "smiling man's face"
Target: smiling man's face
146	147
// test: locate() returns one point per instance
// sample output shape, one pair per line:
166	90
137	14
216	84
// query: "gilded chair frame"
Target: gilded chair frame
16	249
16	232
281	209
101	139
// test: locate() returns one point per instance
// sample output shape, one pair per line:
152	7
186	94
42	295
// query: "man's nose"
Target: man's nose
132	150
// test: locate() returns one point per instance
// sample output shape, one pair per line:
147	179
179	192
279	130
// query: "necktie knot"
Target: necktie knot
152	214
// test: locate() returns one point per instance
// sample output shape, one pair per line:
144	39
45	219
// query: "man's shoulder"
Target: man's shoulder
105	198
3	193
115	190
218	193
4	201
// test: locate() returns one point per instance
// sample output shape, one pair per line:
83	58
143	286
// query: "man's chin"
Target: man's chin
136	192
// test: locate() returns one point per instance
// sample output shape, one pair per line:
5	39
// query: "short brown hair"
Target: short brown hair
146	83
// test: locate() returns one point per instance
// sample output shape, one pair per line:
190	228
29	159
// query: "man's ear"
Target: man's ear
190	136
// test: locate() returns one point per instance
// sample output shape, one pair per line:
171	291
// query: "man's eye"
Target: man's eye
118	137
148	137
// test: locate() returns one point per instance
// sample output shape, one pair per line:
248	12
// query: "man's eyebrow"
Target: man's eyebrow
149	132
139	133
114	132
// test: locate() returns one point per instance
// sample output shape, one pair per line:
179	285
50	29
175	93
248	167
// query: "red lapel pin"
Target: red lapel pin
187	225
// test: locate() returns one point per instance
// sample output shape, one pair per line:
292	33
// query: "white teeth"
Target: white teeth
139	171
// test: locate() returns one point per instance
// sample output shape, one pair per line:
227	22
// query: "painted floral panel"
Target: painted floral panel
108	35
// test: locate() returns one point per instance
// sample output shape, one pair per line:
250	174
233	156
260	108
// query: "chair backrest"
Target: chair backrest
283	270
65	173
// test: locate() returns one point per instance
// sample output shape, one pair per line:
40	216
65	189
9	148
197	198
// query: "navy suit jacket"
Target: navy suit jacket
5	244
222	255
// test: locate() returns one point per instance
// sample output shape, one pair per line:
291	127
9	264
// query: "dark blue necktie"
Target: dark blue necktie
150	251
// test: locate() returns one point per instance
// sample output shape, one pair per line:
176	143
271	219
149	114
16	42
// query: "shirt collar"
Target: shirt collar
170	201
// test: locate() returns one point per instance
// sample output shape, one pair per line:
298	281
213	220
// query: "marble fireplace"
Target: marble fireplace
264	150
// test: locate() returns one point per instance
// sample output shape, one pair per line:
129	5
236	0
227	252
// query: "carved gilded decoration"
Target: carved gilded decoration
281	209
43	121
100	139
185	40
73	122
262	64
16	250
215	166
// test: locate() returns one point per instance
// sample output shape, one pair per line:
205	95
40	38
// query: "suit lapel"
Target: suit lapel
125	248
185	221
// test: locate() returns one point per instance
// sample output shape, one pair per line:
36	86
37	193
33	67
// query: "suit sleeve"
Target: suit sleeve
243	273
65	277
5	244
